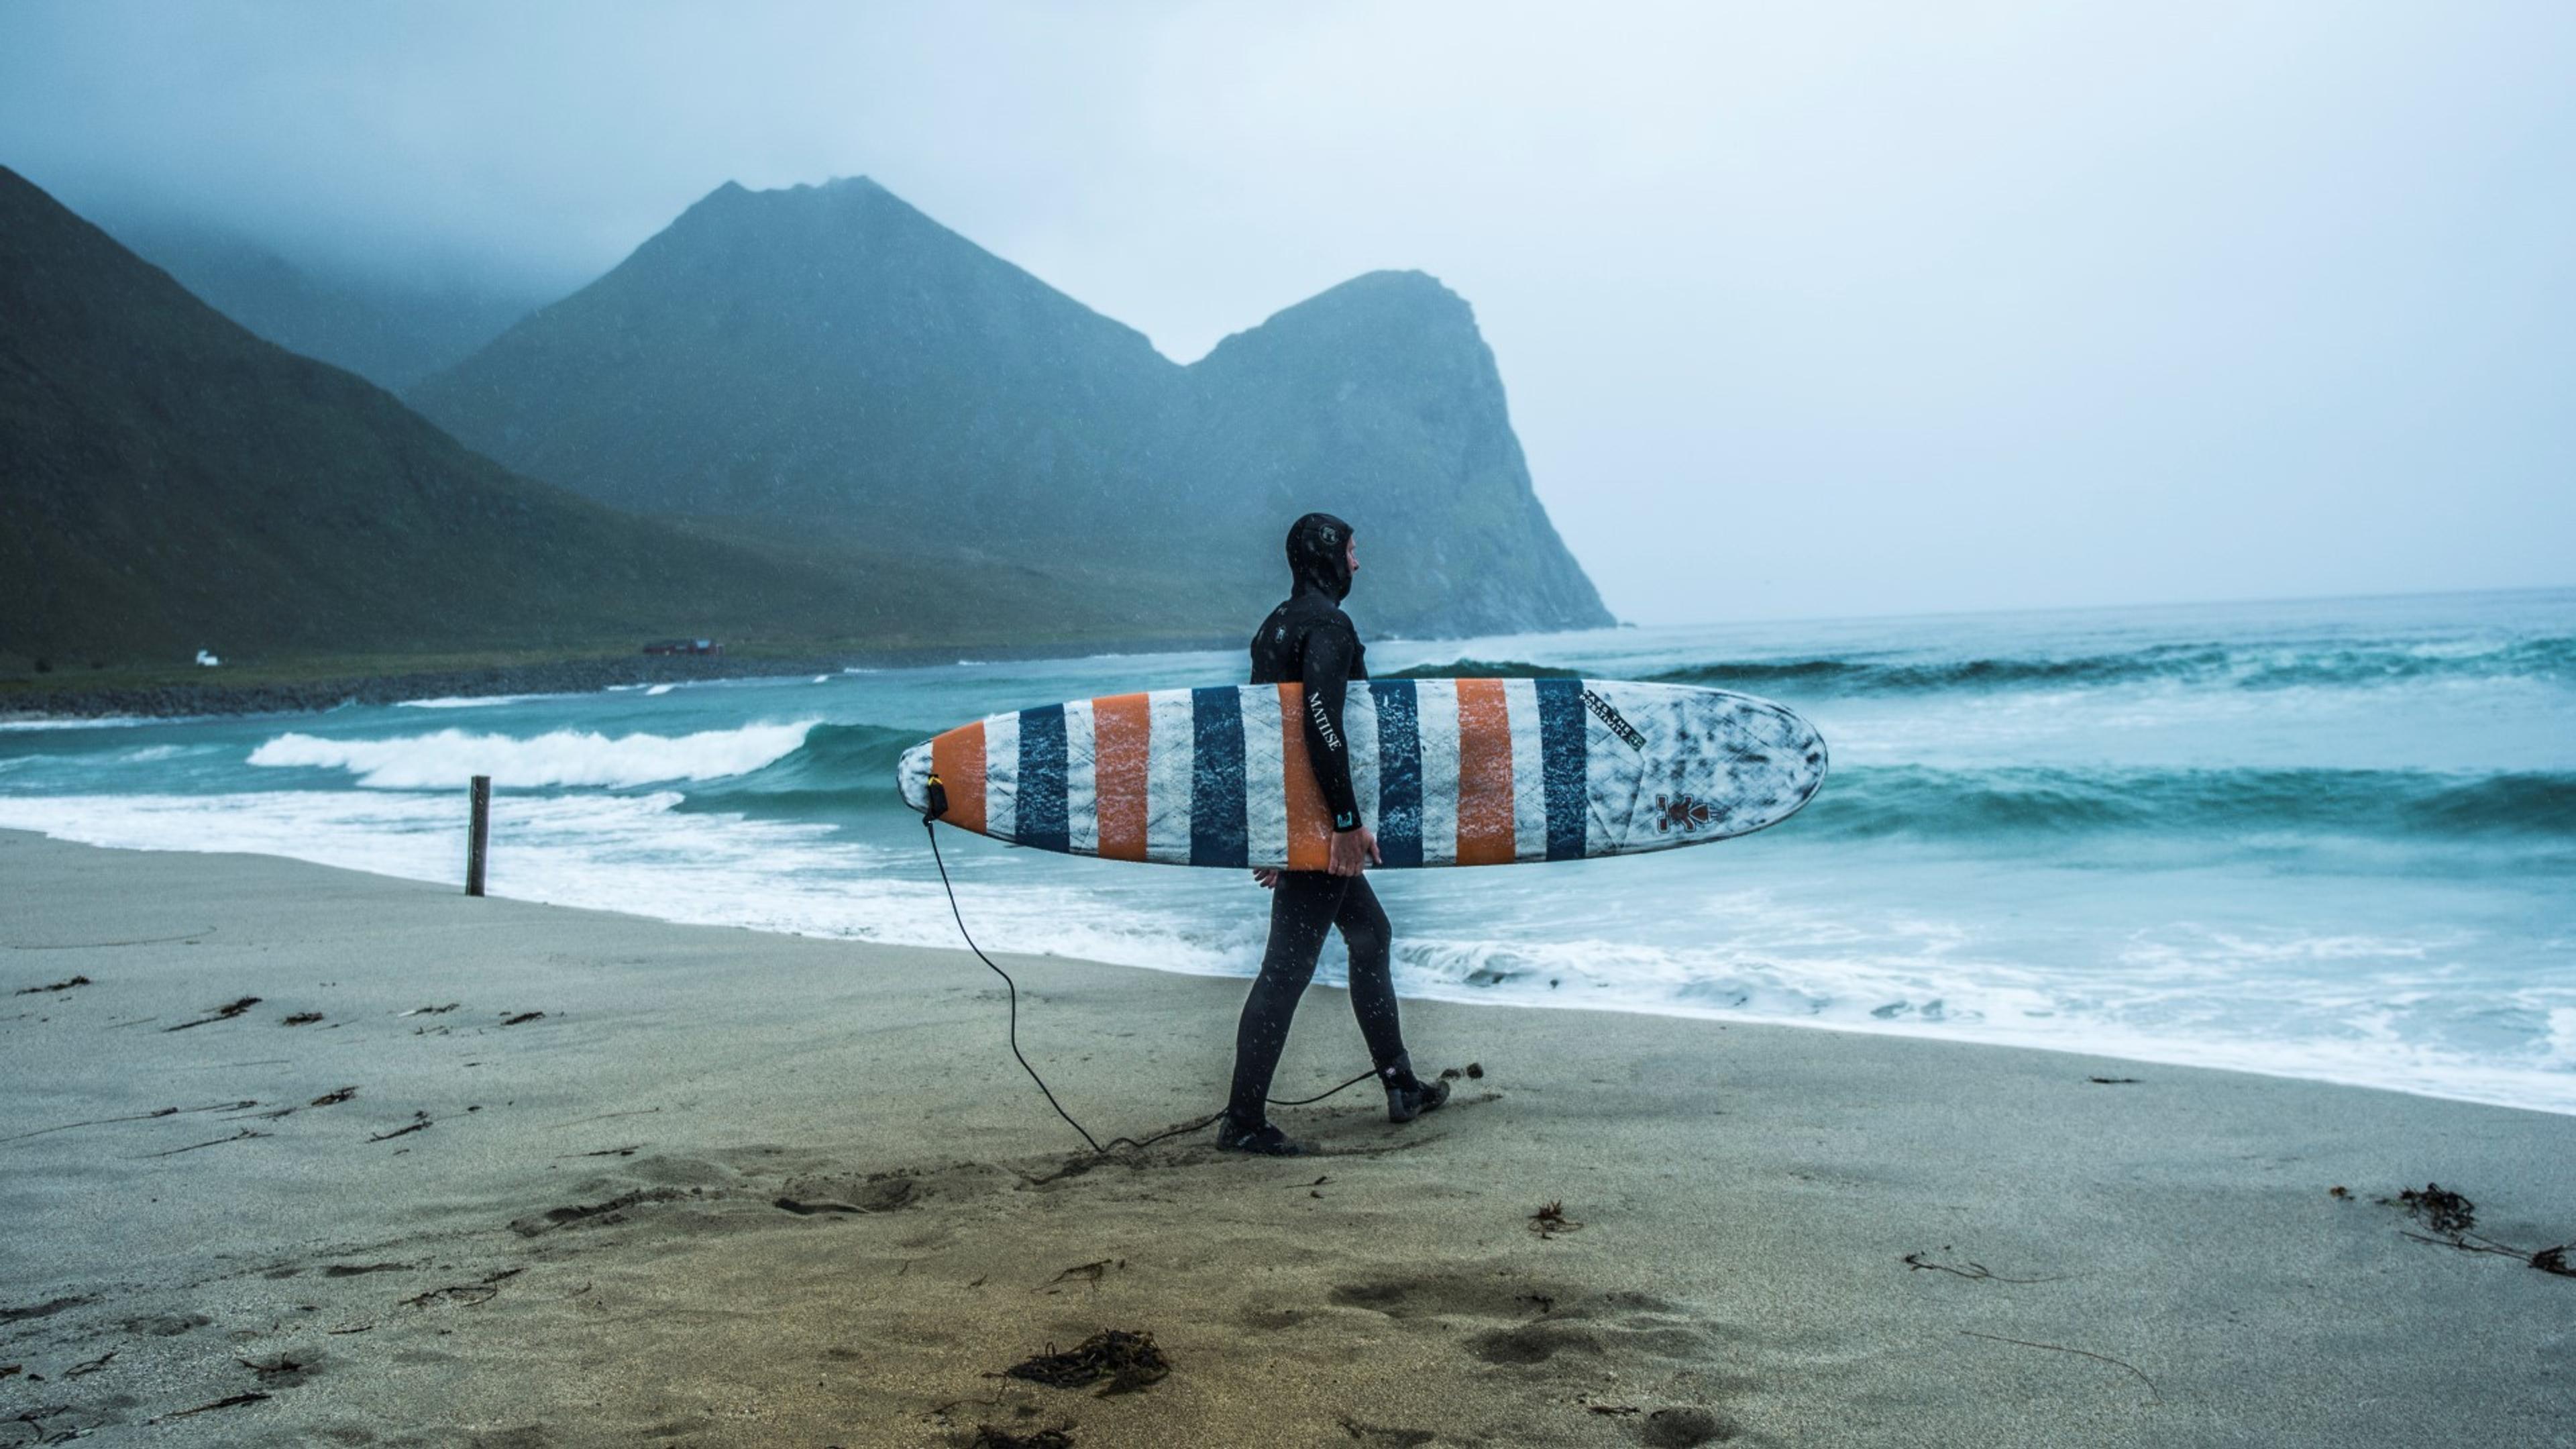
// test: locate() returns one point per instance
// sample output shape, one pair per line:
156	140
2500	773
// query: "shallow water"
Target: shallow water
2331	839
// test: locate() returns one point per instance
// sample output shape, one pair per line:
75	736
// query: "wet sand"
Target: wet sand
730	1188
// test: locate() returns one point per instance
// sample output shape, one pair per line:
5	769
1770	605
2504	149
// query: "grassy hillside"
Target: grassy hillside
175	483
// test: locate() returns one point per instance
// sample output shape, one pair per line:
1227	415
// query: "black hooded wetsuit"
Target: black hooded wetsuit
1309	639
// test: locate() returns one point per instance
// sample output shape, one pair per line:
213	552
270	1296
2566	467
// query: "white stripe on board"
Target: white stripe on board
1359	731
1529	776
1081	780
1168	762
1613	776
1001	776
1265	778
1438	707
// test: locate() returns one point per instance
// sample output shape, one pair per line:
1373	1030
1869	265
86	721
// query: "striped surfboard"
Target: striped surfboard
1447	771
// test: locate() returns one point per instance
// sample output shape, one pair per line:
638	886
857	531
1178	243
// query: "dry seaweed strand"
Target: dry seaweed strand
1551	1220
2451	1215
1128	1361
1976	1271
2084	1353
103	945
2441	1209
224	1403
225	1012
420	1121
242	1135
989	1436
138	1117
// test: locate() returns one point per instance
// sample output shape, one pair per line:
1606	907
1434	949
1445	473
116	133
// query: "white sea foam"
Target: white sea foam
102	722
661	689
639	853
2561	1051
465	701
561	757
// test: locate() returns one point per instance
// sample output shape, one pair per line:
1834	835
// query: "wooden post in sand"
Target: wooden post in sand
481	832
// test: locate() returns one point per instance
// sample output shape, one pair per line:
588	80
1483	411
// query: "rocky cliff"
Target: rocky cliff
829	363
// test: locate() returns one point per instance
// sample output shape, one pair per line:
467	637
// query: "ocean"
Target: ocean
2332	839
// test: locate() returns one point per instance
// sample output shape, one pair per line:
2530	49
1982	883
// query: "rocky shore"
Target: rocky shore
563	676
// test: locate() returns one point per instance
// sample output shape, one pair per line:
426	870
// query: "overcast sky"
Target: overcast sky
1804	309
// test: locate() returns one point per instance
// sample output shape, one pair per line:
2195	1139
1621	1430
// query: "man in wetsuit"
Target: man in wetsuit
1310	640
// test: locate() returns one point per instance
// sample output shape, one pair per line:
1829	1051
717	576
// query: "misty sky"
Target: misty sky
1804	309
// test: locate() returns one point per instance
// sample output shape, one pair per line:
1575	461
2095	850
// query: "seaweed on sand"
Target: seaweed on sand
1128	1361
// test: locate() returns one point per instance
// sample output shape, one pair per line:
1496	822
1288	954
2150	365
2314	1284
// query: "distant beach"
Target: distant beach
299	1156
282	689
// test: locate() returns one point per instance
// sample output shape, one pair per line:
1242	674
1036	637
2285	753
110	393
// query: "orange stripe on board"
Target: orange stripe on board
1310	825
1122	731
957	758
1484	774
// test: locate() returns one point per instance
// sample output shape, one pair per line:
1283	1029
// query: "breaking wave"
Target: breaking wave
1912	800
448	758
837	769
2194	664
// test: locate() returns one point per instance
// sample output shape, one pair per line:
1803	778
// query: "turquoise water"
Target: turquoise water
2330	839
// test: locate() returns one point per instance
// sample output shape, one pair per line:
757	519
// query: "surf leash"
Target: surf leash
929	817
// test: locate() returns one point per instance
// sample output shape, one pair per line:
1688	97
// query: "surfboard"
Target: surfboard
1447	772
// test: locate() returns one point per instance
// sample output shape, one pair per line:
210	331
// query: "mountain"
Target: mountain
389	329
1379	401
827	363
169	481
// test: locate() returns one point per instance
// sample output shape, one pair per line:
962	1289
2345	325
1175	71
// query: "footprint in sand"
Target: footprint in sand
1685	1428
1552	1327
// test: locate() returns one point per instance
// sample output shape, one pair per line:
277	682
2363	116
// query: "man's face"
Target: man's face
1351	554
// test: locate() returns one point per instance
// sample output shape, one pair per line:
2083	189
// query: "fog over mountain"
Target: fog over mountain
174	482
390	328
852	428
828	360
1987	305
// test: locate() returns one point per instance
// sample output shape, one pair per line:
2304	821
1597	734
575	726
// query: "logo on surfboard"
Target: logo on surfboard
1680	812
1618	725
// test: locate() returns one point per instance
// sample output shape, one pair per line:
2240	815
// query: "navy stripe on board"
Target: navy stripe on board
1041	818
1399	771
1563	766
1216	777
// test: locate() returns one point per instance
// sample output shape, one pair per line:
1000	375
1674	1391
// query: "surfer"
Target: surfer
1308	639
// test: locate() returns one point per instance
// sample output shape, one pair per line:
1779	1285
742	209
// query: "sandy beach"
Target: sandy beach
487	1172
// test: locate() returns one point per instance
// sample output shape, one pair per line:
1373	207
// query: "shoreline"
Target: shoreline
2152	1053
29	701
740	1188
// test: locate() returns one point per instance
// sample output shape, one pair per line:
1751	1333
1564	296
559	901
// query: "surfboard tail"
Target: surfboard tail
912	776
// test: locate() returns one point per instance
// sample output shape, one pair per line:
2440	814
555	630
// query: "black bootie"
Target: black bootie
1260	1139
1408	1096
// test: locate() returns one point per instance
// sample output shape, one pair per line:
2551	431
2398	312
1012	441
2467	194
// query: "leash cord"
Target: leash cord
932	830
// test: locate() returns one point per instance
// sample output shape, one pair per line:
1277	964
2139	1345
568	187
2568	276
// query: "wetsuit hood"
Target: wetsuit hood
1318	555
